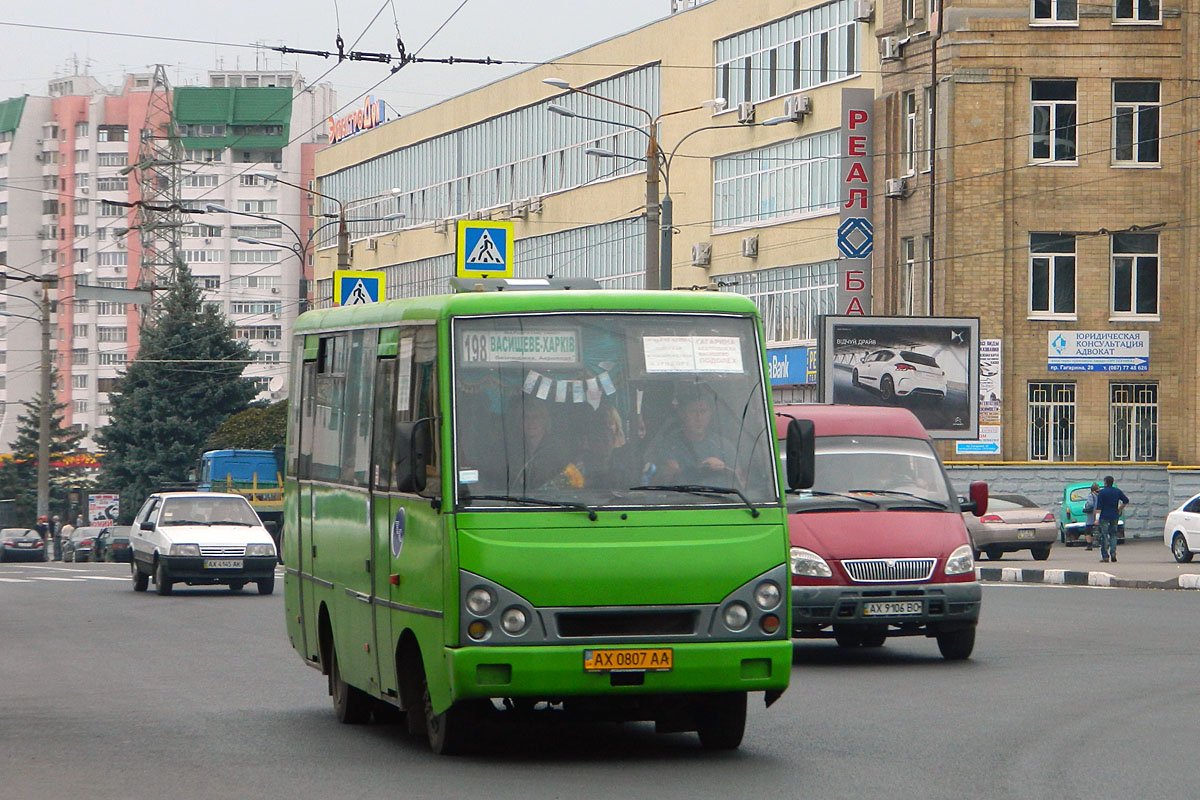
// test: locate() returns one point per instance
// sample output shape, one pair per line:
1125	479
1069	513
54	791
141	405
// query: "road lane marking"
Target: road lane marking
15	580
52	578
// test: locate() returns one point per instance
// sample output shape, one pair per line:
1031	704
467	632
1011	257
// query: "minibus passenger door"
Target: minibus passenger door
304	512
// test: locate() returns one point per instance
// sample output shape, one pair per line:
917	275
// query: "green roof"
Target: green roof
242	106
10	113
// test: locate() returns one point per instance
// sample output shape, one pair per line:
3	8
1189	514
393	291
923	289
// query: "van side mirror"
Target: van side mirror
801	453
414	450
977	502
146	525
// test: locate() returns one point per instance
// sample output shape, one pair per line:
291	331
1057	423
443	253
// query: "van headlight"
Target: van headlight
184	550
809	564
960	561
260	550
480	601
736	616
767	595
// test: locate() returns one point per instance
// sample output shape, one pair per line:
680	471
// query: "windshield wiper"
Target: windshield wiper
533	501
819	493
185	522
930	500
233	522
696	488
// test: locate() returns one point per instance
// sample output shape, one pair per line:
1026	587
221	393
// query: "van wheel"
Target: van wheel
722	721
874	639
848	637
887	389
351	706
266	585
162	584
140	579
1040	553
450	732
1180	549
956	645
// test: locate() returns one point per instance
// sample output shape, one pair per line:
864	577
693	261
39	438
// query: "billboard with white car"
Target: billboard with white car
928	364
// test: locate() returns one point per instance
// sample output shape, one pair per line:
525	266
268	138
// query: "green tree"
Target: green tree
186	380
18	476
260	427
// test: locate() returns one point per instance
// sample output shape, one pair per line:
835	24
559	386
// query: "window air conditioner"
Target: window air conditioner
279	165
864	10
274	290
701	254
797	106
894	187
518	210
440	226
750	246
208	241
535	205
889	49
275	315
745	112
83	190
118	268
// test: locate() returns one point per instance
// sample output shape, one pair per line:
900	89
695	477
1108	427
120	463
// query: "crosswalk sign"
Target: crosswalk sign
485	250
357	288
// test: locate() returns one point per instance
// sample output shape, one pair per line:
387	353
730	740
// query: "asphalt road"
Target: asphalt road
1072	692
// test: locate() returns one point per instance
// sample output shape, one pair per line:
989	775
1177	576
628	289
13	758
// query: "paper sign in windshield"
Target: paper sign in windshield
543	347
693	353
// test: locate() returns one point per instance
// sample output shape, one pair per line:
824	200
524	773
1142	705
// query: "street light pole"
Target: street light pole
343	250
45	403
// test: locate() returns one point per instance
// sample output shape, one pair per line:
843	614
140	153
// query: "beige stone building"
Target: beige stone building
755	207
1063	211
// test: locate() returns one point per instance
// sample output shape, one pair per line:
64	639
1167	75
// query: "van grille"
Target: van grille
222	551
890	570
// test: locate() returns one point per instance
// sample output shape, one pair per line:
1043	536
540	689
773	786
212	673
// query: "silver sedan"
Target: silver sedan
1013	522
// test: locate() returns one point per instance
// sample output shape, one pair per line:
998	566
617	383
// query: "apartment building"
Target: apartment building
755	207
1039	162
68	176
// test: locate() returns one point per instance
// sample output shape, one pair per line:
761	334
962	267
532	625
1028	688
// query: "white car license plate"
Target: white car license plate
1025	533
222	563
893	608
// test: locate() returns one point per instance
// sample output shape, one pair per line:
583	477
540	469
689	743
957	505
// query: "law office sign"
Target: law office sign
1098	351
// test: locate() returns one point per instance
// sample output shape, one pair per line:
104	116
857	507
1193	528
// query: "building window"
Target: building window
253	256
81	180
112	184
1133	421
81	130
79	357
253	282
791	179
1051	273
109	309
258	206
108	209
1135	273
81	231
929	123
81	255
257	307
111	334
791	300
79	381
1052	422
79	406
1137	11
1054	115
1047	12
200	256
81	206
106	384
913	280
206	155
1135	122
115	358
211	282
81	156
908	107
200	181
258	332
256	231
112	159
113	258
112	133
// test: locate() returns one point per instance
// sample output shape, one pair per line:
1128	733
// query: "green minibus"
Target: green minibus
525	497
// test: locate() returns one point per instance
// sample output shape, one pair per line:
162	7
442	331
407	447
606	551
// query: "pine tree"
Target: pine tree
18	477
186	380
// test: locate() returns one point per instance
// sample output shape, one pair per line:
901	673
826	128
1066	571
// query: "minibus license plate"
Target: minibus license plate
1024	533
222	563
893	608
658	660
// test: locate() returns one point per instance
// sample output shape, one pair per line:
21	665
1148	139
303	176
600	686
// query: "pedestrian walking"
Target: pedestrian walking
1089	510
56	535
1110	504
64	536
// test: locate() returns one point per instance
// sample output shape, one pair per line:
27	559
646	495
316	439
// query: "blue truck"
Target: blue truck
255	474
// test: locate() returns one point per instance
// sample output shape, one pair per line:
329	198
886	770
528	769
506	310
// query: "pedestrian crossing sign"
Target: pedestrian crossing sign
485	250
357	288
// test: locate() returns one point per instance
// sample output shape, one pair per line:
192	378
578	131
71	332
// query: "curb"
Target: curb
1067	577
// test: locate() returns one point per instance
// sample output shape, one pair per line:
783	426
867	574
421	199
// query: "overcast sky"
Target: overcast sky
525	30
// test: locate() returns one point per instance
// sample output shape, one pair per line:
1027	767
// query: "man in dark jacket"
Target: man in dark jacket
1110	503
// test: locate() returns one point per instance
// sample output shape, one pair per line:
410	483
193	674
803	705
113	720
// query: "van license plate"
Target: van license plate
893	608
659	660
222	563
1024	533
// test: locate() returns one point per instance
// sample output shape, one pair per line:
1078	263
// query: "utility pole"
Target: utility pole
44	407
653	212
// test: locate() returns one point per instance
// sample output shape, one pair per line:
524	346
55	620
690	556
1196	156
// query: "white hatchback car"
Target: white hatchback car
201	539
1182	530
900	373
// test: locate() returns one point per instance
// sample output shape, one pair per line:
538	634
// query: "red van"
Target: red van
878	544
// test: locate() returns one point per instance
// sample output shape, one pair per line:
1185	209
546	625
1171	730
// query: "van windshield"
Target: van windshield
882	465
600	410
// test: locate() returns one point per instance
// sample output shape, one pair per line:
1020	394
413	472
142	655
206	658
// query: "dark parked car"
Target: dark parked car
112	544
79	546
21	544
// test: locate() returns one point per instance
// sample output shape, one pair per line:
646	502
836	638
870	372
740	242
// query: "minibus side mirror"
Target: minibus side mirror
977	503
801	453
414	449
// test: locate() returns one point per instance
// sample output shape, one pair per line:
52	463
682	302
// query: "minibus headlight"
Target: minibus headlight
767	595
184	550
737	616
960	561
260	550
480	601
809	564
514	620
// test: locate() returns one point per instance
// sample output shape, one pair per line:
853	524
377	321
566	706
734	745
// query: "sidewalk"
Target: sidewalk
1141	564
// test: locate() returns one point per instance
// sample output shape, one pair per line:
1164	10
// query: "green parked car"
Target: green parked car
1072	522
